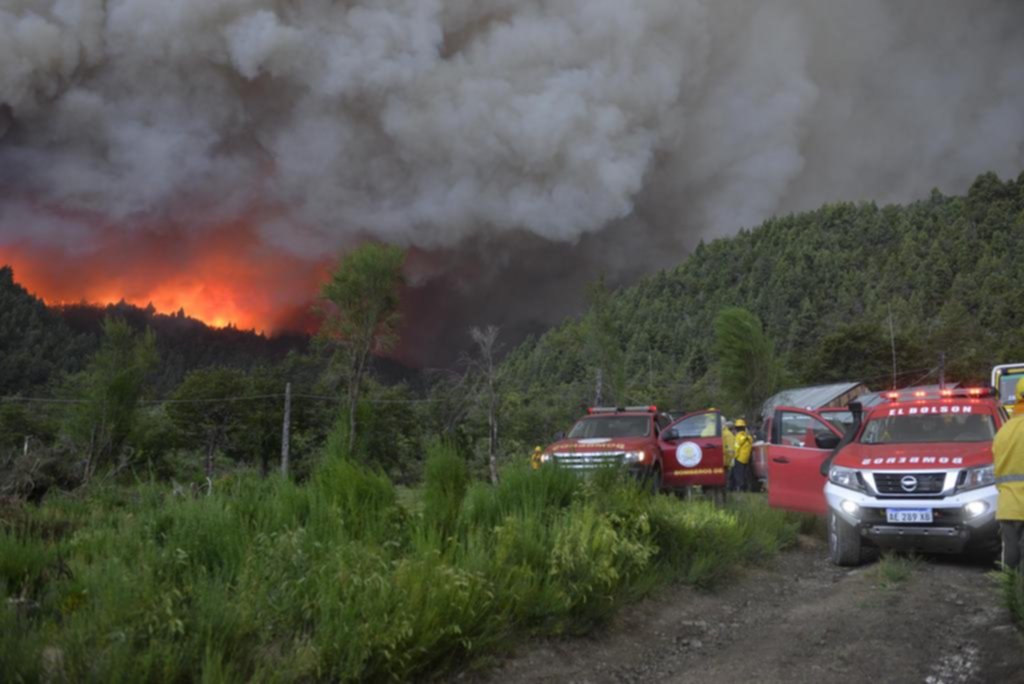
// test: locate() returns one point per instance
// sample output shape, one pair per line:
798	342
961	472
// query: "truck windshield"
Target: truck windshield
912	429
611	426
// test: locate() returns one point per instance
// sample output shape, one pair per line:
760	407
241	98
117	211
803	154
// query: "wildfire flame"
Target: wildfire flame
223	276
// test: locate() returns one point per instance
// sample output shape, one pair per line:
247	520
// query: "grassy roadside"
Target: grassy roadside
1013	596
341	578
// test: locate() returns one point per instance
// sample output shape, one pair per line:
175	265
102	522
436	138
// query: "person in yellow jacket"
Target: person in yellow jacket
742	475
728	444
535	458
1008	451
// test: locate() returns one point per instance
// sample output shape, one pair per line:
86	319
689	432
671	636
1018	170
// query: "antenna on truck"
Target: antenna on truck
892	341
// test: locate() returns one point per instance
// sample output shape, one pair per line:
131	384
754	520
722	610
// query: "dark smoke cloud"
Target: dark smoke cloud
521	146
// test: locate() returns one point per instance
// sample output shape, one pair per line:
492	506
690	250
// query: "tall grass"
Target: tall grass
336	580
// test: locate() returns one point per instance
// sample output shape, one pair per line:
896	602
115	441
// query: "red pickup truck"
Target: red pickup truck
914	473
613	437
667	455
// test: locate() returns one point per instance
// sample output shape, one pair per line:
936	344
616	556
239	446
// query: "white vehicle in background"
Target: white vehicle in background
1004	379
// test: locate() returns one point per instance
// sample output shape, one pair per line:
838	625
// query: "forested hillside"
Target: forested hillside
949	269
41	344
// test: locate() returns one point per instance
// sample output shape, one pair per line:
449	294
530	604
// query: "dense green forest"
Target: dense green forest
824	283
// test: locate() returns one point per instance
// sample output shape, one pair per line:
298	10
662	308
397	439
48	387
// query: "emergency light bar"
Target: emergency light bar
960	392
616	409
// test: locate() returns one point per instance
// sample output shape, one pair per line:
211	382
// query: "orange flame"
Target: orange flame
223	276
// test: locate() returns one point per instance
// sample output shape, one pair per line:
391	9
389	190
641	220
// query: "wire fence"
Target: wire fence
220	400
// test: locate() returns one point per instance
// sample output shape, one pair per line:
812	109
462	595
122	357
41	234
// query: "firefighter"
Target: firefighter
1008	450
741	476
728	458
728	443
535	458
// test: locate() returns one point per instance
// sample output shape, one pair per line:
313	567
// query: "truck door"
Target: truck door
759	454
800	440
691	451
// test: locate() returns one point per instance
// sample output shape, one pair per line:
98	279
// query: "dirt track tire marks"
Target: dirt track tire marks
799	619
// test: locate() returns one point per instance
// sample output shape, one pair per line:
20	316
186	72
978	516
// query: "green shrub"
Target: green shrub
23	564
893	569
520	491
445	483
365	501
590	560
265	579
1013	595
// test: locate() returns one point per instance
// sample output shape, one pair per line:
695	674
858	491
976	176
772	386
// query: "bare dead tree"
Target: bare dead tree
453	392
487	348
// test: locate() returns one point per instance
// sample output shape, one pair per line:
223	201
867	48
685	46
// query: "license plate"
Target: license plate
908	515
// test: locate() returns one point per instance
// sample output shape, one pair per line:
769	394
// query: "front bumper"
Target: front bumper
951	531
589	463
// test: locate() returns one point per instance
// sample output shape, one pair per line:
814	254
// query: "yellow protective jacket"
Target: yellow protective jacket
1008	452
535	458
744	445
728	446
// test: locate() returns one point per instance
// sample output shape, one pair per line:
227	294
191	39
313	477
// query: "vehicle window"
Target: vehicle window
1008	387
920	428
840	420
701	425
800	429
663	421
611	426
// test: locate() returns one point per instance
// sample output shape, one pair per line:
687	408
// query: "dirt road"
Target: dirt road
800	619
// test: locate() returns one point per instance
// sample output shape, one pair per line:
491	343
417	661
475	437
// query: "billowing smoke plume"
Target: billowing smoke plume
521	146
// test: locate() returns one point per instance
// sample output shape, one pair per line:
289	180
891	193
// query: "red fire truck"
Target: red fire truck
914	473
614	437
664	454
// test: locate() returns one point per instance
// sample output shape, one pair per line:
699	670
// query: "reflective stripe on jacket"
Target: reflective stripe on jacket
744	445
1008	453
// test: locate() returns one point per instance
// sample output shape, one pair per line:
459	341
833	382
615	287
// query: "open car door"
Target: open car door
798	443
691	451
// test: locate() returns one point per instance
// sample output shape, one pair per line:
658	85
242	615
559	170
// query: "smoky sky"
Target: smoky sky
519	148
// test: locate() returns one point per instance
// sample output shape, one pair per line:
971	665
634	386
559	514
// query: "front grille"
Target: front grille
927	483
589	460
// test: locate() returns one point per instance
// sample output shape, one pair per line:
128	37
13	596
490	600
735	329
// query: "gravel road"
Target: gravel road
799	619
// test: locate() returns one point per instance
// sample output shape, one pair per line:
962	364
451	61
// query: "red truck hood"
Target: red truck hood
915	456
598	445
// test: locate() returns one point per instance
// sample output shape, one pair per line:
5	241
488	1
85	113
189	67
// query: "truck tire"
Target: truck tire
844	547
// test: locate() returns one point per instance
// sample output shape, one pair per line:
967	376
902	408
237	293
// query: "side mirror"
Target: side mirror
670	435
559	436
828	441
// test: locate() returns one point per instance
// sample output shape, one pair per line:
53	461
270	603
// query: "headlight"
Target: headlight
544	458
975	508
634	457
977	477
845	477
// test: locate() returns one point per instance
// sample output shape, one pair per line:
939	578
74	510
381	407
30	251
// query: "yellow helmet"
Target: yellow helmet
1020	390
740	423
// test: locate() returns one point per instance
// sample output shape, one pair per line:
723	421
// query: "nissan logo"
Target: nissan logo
909	483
